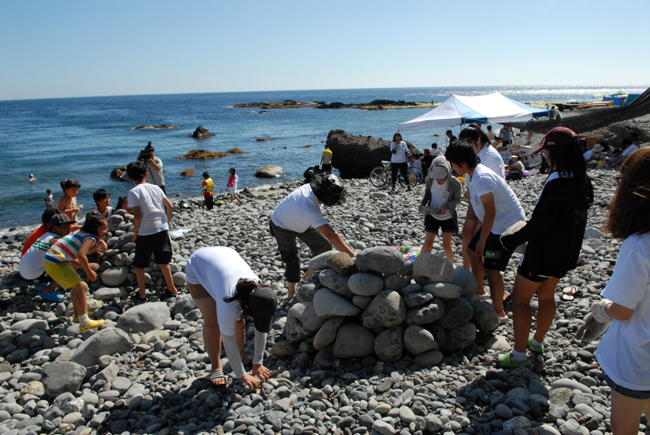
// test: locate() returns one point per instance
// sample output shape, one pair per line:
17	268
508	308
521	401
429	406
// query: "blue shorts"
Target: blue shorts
633	394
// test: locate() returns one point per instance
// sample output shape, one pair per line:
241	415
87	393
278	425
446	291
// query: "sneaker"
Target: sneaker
93	324
75	319
535	349
52	297
506	361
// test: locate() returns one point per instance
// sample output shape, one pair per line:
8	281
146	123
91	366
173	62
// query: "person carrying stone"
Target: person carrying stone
442	192
227	292
300	216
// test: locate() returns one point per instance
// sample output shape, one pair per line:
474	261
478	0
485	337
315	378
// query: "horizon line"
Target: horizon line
331	89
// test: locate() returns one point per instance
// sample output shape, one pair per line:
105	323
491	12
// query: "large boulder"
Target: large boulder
365	284
62	377
335	282
327	333
115	276
269	171
353	341
418	340
356	156
457	312
305	312
119	173
485	316
341	263
465	279
329	304
105	342
389	344
144	318
386	310
424	314
428	268
319	262
459	338
382	259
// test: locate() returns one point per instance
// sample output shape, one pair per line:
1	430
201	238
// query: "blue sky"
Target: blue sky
51	49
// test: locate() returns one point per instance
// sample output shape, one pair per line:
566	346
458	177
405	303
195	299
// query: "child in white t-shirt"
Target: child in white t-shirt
497	208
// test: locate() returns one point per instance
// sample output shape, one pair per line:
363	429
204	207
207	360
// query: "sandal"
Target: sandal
135	297
167	294
570	293
217	374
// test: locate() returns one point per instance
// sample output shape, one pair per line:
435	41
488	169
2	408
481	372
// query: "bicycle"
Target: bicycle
380	175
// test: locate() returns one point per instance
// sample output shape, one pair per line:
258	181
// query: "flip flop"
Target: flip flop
570	293
217	374
41	287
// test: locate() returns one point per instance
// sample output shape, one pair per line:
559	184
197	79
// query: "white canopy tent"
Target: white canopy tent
491	108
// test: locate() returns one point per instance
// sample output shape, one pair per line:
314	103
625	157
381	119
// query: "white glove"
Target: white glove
599	310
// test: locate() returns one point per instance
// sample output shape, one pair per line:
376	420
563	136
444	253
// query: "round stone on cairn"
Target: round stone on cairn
355	307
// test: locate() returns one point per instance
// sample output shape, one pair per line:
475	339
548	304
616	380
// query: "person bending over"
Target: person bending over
300	215
227	292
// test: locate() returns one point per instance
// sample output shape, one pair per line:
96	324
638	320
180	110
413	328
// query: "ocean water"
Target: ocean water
85	138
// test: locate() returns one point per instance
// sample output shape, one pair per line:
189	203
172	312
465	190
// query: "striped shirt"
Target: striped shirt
31	264
67	248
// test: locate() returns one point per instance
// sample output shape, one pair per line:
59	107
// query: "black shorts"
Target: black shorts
159	244
432	224
531	277
326	167
496	256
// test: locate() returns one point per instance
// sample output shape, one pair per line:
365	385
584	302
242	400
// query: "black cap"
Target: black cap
60	219
263	303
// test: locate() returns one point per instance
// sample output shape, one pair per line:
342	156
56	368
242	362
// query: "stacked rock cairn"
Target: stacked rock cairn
379	304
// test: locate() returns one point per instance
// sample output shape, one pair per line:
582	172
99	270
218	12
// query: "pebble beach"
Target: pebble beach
144	371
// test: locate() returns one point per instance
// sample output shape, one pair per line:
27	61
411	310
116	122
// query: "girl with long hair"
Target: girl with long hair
554	234
624	351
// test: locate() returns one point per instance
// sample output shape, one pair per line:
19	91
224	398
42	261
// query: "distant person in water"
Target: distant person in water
32	178
49	200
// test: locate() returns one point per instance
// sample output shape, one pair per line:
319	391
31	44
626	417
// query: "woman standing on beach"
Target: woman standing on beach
554	234
624	351
398	162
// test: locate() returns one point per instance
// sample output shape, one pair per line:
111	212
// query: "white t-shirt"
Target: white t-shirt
298	211
109	211
149	198
154	176
624	351
32	263
440	195
218	269
435	152
507	207
629	150
491	158
400	155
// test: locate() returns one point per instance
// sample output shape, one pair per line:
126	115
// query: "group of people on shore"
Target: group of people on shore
227	292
